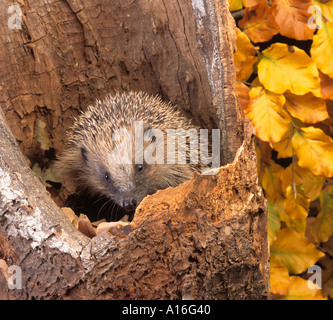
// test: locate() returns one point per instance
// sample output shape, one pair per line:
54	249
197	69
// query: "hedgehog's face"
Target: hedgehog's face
114	172
125	184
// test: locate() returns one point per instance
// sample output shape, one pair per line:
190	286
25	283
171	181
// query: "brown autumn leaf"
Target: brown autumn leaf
243	94
326	86
250	3
258	22
292	17
70	214
85	226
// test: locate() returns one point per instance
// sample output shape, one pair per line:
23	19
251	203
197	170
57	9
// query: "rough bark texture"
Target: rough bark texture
68	53
205	239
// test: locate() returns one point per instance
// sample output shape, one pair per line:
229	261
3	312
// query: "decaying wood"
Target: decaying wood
69	53
205	239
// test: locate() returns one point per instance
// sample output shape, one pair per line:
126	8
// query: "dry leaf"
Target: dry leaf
314	150
245	56
326	8
271	182
274	224
106	226
70	214
258	22
235	5
292	17
98	222
299	290
266	113
284	147
326	86
85	226
322	48
293	251
279	279
282	69
41	135
296	209
311	183
322	226
243	94
251	3
306	108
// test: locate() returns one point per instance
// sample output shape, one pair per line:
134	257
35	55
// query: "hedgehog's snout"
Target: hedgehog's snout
129	204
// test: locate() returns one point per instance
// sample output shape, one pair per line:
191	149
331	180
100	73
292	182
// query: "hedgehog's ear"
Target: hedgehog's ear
84	153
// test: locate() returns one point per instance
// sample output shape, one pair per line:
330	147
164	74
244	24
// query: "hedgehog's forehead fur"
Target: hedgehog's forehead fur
122	110
90	140
94	128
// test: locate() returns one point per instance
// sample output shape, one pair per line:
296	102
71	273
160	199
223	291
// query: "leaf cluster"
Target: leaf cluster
287	93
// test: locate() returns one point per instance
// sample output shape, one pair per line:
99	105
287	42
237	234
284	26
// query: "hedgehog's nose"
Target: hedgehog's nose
129	204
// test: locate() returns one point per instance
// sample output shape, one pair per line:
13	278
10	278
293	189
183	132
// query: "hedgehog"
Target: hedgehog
118	149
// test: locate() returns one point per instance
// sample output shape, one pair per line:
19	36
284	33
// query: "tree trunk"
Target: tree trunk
205	239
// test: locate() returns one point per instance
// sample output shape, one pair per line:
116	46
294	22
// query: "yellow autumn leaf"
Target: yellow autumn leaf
284	147
296	209
326	9
273	222
279	280
306	108
271	182
299	289
311	183
266	113
258	22
285	68
235	5
322	48
46	176
245	56
314	150
292	17
293	251
322	227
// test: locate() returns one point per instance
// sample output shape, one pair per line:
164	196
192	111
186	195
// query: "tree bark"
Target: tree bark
205	239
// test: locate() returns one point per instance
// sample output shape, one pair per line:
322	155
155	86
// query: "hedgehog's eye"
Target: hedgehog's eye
139	168
84	153
107	177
